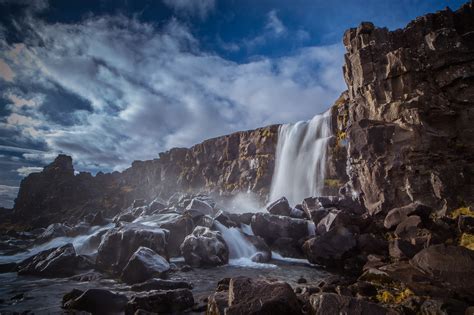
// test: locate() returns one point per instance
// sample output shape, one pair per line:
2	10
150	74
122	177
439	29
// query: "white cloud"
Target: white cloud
27	170
200	8
152	90
274	24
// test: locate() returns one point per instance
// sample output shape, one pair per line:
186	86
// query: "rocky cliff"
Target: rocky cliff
402	133
406	119
223	166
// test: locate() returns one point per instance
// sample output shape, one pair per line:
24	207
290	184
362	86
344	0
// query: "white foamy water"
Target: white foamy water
301	159
239	246
79	242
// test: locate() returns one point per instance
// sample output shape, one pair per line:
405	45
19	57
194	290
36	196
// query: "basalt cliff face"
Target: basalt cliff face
222	167
407	117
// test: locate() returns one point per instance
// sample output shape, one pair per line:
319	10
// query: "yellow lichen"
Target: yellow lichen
467	240
402	296
332	182
387	297
462	211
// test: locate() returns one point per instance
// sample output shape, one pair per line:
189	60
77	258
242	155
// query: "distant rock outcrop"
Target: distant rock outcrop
222	166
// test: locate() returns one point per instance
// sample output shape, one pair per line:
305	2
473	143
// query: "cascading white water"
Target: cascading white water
300	160
239	246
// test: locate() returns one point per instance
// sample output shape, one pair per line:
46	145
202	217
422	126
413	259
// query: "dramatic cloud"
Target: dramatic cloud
152	89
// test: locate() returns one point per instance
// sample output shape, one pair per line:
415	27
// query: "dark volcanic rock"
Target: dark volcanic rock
56	262
160	284
406	119
255	296
52	231
271	227
170	301
223	166
201	206
397	215
143	265
205	248
330	303
119	244
178	228
450	264
288	247
330	248
97	301
280	207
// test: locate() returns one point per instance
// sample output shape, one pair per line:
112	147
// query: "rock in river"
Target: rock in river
205	248
143	265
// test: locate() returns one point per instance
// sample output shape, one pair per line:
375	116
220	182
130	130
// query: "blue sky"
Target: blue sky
109	82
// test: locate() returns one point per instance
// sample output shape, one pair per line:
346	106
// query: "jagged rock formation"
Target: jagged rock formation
223	166
406	119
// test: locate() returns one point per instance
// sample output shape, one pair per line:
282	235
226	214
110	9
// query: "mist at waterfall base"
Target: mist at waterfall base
300	162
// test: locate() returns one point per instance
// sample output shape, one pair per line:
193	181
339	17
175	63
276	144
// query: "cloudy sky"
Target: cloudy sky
109	82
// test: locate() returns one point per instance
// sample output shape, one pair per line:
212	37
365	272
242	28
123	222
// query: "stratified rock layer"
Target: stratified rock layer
222	166
406	118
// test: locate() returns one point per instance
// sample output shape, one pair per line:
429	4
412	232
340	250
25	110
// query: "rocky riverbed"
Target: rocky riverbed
189	255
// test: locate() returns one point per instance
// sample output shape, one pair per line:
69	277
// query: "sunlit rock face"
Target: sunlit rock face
222	166
406	119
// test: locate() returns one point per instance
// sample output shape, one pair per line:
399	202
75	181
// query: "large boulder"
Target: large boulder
331	303
55	262
330	248
119	244
271	227
162	302
280	207
96	301
201	206
395	216
52	231
178	227
449	264
255	296
143	265
205	248
408	228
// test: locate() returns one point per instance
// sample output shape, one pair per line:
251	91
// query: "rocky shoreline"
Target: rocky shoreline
398	238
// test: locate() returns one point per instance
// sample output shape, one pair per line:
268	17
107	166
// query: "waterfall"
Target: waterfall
300	161
239	246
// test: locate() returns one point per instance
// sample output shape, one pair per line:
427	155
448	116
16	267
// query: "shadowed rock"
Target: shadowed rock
205	248
143	265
